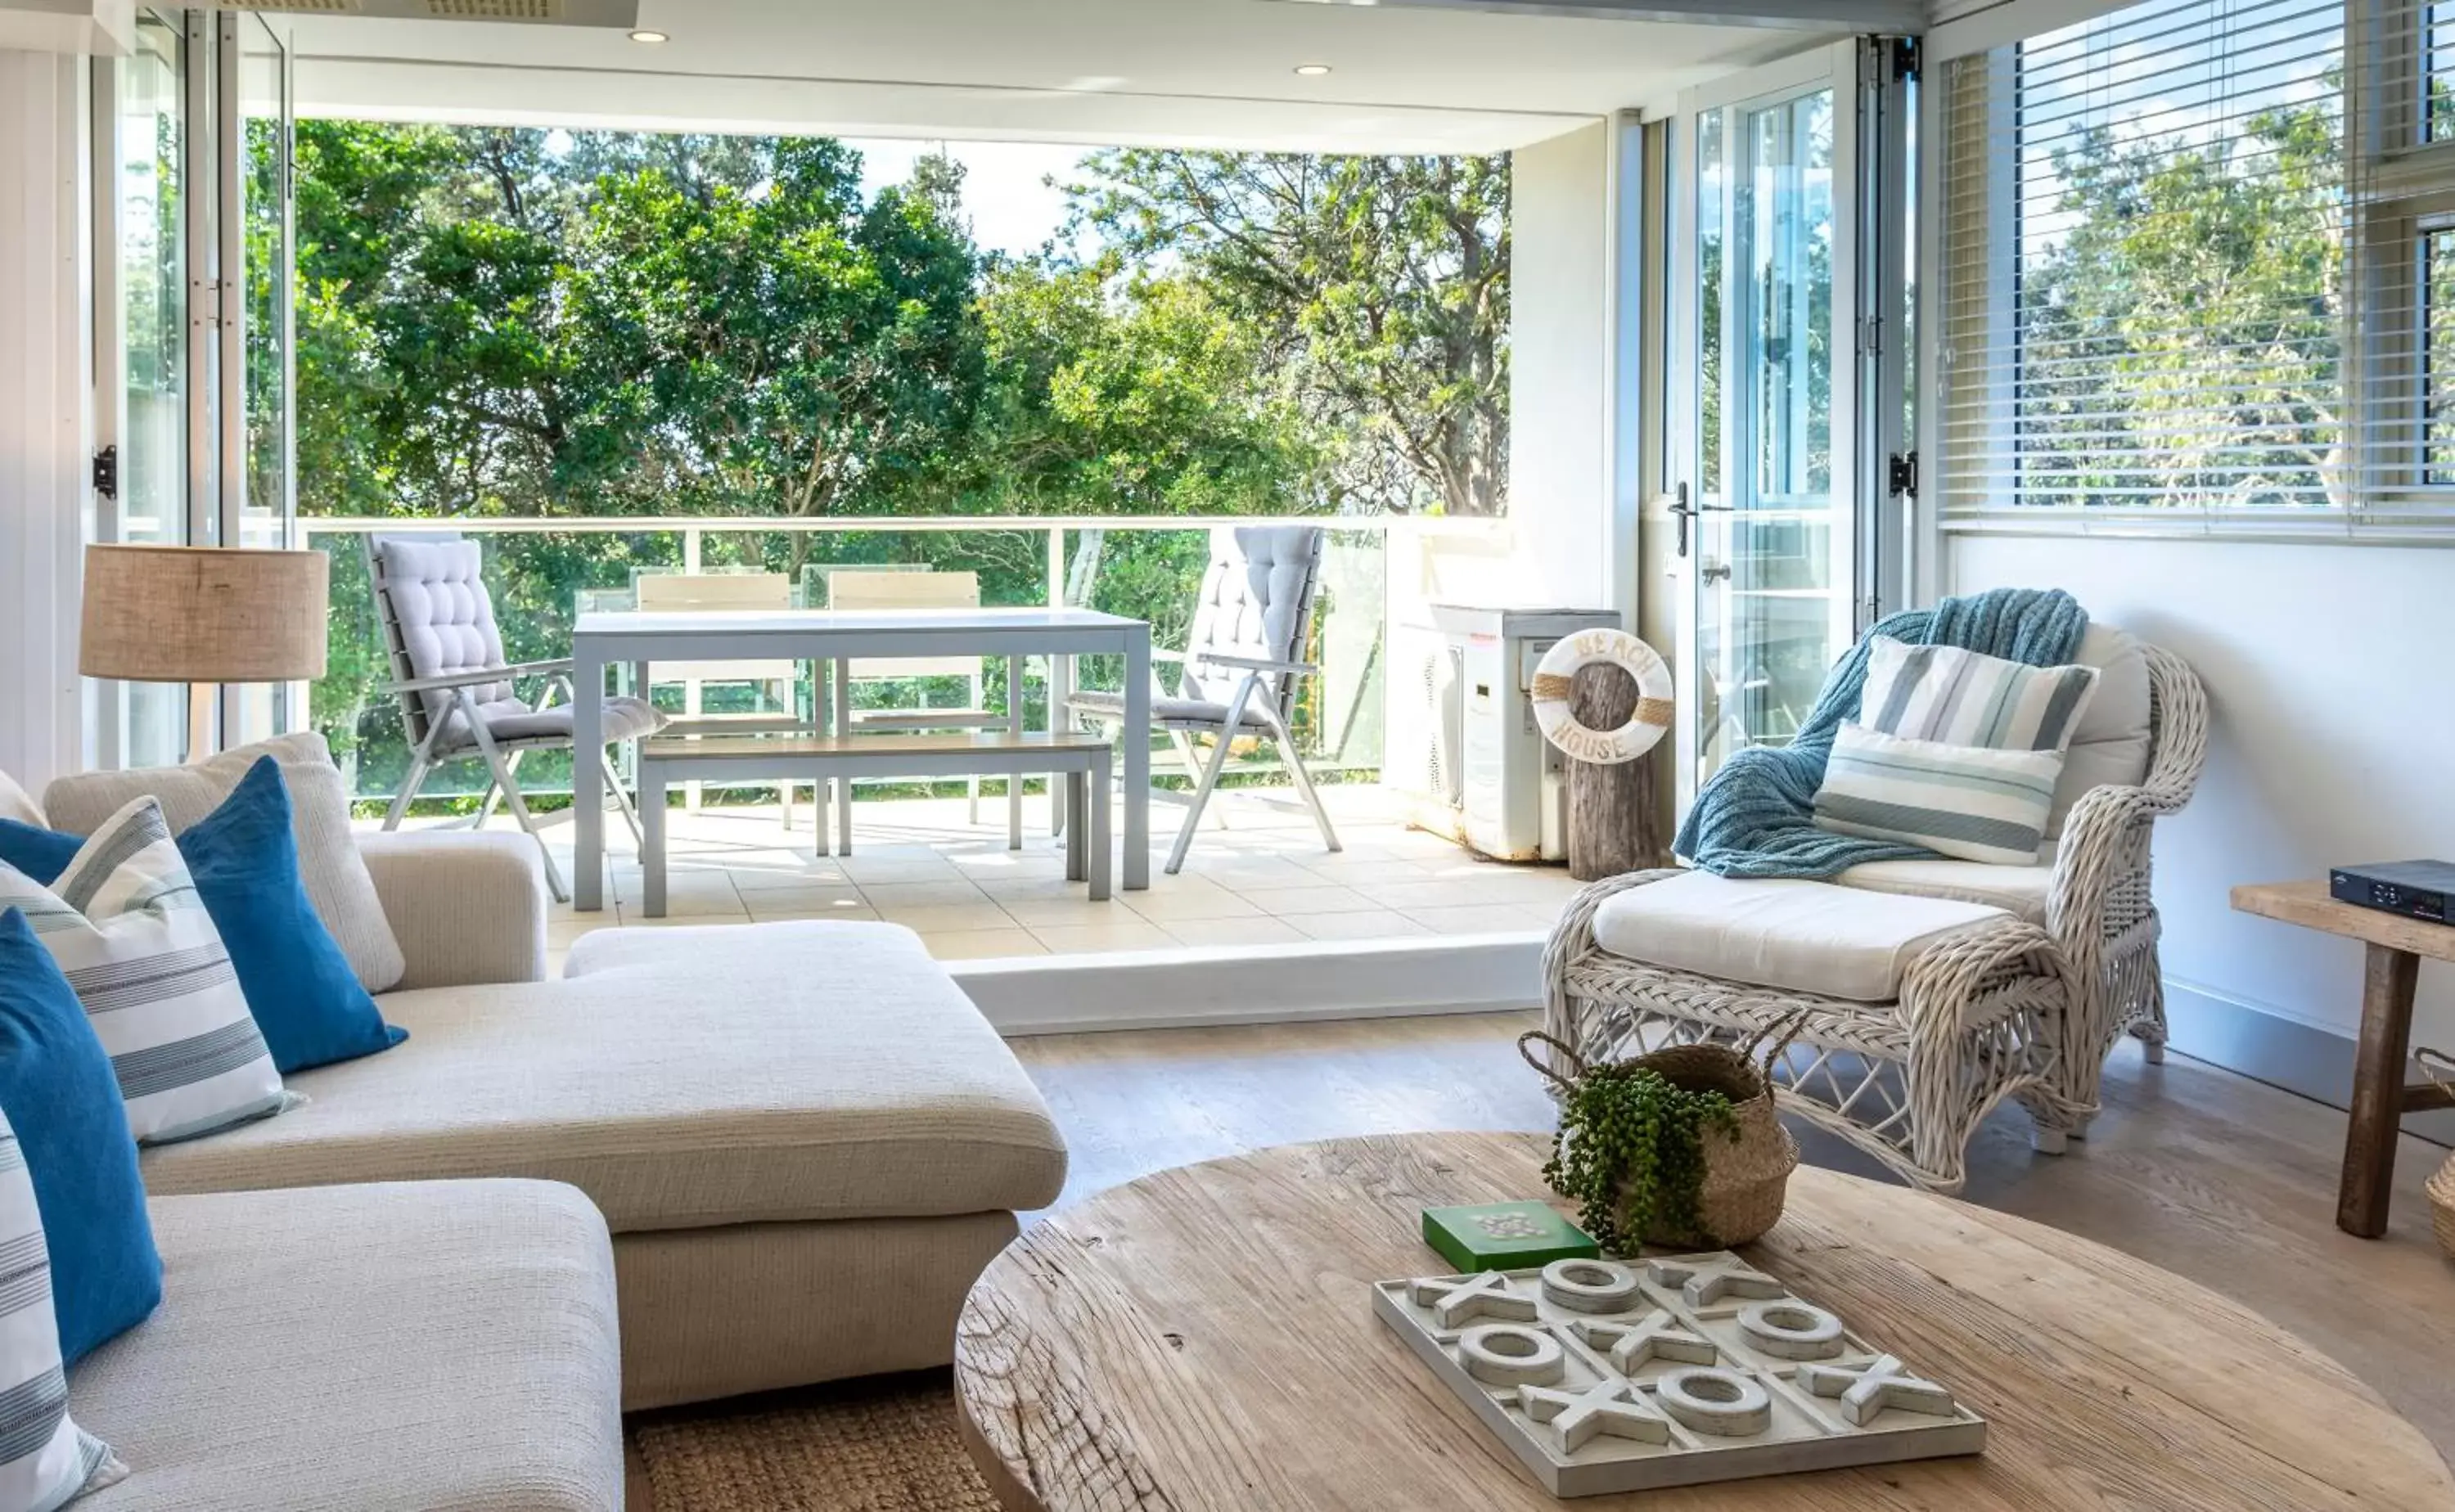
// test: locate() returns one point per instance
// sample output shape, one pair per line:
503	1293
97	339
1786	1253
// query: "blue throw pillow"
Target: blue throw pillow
58	1091
306	1001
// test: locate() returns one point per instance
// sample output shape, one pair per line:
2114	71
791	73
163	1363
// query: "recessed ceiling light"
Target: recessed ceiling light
649	37
1313	71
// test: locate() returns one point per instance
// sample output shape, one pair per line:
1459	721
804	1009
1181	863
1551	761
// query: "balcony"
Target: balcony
1258	883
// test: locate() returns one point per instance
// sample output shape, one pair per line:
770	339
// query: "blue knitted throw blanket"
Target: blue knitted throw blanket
1755	816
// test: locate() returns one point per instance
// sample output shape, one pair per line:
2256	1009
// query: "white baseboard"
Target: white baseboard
2317	1063
1184	988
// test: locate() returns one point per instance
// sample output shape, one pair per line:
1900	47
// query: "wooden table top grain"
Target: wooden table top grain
2307	903
1203	1339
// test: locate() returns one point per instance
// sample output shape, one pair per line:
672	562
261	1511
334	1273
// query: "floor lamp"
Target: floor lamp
204	616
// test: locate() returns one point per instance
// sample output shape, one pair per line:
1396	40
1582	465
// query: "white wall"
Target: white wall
45	382
2330	669
1561	341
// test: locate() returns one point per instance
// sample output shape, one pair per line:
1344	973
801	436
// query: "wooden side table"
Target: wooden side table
2381	1096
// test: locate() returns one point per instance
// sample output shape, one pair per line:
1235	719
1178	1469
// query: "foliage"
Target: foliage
2182	336
1630	1151
1379	286
518	323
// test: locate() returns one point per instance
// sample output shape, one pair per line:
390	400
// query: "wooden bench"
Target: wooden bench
1084	758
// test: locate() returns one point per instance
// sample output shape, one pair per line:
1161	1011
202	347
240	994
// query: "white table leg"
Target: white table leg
1136	737
843	784
1014	780
652	839
1078	847
1061	688
587	782
1097	824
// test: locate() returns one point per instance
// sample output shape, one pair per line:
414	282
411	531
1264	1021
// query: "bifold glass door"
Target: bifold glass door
1766	440
192	137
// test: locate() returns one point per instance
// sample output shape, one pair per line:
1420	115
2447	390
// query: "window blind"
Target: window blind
2146	292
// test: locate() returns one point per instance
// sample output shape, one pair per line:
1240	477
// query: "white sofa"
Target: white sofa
804	1139
400	1348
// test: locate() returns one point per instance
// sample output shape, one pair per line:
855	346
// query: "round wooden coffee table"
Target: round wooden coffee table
1203	1339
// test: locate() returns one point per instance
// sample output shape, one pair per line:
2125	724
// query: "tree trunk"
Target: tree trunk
1612	823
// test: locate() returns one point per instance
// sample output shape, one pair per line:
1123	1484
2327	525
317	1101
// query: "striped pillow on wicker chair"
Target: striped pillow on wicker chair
1965	801
1963	697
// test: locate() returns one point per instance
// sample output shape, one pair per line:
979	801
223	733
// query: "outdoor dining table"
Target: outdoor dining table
608	639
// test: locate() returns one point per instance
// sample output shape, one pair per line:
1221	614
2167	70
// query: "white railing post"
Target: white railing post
692	791
1061	669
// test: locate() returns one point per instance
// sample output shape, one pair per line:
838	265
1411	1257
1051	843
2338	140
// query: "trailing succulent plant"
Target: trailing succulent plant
1631	1150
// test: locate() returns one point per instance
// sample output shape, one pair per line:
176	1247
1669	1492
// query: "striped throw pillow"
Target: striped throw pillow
1965	697
46	1460
1958	801
134	940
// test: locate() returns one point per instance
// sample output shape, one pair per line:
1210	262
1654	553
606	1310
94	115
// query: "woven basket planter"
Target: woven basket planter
1747	1170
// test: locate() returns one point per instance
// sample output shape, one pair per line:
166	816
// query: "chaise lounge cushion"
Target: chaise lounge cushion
379	1348
1806	936
682	1078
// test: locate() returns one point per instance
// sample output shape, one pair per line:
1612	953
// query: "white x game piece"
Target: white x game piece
1486	1296
1708	1282
1658	1337
1869	1389
1611	1407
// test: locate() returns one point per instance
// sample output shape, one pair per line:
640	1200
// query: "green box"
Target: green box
1505	1235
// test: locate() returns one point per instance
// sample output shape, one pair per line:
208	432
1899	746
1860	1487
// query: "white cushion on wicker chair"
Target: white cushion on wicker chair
2015	889
1807	937
2113	741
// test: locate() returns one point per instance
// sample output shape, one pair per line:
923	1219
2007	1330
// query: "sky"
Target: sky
1012	210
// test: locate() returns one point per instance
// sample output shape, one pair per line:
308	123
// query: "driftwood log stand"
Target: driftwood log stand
1614	819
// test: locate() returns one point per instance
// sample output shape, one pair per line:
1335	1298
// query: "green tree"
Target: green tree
1379	286
2181	338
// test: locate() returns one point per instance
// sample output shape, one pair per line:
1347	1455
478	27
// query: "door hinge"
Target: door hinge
1902	474
1871	336
105	472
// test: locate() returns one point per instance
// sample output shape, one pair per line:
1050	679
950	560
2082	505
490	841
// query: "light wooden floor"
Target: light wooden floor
2225	1180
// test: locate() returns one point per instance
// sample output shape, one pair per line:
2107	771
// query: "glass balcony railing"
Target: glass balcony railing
543	573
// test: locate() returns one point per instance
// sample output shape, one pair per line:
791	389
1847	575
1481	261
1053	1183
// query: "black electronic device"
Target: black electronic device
2413	889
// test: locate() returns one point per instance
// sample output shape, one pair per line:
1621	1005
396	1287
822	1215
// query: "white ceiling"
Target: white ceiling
1162	72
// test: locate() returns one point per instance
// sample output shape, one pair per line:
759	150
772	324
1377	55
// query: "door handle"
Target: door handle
1686	513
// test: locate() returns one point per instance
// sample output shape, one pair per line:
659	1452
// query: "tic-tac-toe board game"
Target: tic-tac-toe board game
1606	1376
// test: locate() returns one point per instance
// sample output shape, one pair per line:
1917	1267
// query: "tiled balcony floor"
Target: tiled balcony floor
1263	880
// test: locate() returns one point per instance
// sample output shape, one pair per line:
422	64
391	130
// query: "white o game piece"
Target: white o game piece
1589	1285
1720	1402
1791	1330
1506	1355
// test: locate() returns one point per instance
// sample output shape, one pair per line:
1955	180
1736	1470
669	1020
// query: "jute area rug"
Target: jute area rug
886	1445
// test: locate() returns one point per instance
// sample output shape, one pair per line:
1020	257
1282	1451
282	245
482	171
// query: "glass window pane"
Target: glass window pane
1711	190
153	273
2438	353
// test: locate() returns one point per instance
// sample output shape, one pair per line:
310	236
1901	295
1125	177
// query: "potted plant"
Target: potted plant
1680	1147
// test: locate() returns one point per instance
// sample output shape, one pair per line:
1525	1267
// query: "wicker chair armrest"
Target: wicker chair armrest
1573	937
2104	838
1938	986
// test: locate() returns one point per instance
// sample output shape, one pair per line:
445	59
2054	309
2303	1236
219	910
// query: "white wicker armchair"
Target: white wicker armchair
2006	1009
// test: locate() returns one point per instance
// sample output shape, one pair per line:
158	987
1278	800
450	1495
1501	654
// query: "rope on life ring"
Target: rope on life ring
1555	678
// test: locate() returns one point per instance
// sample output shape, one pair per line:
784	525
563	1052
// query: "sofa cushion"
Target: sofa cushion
682	1078
2112	742
380	1348
16	803
1807	937
2020	890
328	864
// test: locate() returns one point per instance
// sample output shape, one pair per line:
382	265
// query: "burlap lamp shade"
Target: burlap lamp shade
187	614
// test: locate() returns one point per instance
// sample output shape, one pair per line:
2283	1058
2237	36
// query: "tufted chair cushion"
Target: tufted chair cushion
446	623
1256	601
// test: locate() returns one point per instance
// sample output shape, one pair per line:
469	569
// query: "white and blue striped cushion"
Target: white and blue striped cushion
1964	802
46	1460
134	940
1957	696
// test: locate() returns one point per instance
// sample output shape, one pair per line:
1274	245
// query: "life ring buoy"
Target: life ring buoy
1555	678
